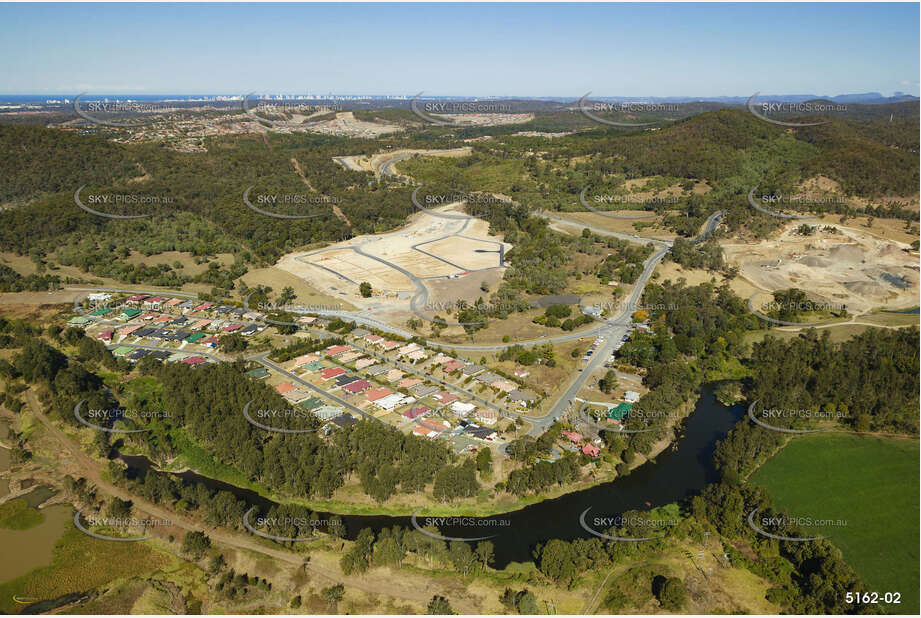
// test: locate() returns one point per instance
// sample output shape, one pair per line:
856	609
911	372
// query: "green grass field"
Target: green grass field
872	483
18	515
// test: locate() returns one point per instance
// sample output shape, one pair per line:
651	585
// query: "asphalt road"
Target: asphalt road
612	329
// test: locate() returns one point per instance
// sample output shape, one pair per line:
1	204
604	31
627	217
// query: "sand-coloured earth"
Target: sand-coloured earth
433	251
847	267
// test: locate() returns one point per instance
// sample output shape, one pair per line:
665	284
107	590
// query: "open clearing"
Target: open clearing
849	267
429	247
838	476
624	226
373	163
346	124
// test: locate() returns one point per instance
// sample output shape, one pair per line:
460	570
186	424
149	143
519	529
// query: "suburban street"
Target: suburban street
612	329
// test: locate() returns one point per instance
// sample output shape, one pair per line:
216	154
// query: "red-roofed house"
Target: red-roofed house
331	372
105	335
193	360
373	338
389	345
306	359
453	365
416	411
136	299
425	432
357	386
573	436
232	327
591	450
285	387
378	393
445	398
408	382
336	350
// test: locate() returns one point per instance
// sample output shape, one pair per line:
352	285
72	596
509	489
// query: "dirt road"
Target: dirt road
303	177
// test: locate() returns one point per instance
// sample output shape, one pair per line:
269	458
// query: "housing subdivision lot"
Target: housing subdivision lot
430	249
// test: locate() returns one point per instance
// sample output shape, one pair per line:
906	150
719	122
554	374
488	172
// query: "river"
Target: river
675	475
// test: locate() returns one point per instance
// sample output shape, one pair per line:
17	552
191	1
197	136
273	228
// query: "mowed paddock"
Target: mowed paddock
838	476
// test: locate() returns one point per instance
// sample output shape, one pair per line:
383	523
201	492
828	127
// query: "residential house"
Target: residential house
377	393
462	409
389	402
453	365
409	382
331	372
487	416
415	412
285	387
573	436
591	450
358	386
472	370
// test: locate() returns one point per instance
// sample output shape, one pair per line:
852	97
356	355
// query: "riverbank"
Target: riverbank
674	475
195	460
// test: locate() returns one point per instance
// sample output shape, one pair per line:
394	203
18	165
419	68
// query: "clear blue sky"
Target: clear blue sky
454	49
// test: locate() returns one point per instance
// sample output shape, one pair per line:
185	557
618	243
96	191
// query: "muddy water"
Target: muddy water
34	547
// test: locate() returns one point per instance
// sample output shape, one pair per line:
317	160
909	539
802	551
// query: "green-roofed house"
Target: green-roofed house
620	411
121	350
311	403
196	336
259	373
102	311
131	313
80	320
314	366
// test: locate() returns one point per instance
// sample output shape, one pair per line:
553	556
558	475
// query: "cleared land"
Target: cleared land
346	124
624	226
427	247
849	267
872	483
373	163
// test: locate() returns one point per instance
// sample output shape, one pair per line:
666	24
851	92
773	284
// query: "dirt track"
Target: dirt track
406	587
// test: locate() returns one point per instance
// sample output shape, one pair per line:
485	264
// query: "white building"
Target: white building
389	402
462	409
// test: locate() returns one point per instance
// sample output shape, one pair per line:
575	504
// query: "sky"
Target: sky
563	50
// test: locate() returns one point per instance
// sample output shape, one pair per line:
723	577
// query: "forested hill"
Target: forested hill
869	153
36	161
870	157
201	210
